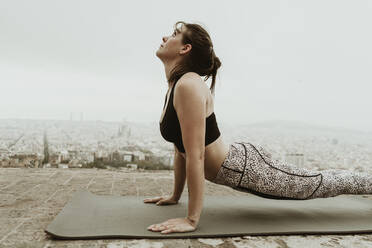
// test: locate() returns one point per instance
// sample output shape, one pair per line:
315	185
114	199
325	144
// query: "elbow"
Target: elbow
197	155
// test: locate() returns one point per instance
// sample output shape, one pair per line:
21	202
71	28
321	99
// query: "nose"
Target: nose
164	38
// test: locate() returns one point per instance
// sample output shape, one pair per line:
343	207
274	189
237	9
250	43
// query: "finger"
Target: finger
153	226
166	227
152	199
159	228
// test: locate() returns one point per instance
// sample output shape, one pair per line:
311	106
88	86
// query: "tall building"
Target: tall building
46	149
124	130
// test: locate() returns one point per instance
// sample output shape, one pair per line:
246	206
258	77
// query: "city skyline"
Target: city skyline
281	60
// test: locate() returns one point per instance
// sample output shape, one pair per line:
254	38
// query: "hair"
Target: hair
201	58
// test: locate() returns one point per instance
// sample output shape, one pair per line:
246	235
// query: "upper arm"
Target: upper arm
190	102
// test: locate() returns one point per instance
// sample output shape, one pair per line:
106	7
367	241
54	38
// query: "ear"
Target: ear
186	48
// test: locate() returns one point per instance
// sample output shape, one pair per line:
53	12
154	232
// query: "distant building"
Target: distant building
115	156
74	163
63	166
102	156
100	153
138	155
167	160
47	165
55	159
89	158
72	154
23	160
4	153
124	130
132	166
128	157
64	155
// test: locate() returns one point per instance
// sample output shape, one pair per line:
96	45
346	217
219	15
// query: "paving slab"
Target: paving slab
30	198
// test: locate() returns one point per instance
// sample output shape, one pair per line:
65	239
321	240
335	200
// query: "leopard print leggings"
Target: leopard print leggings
250	168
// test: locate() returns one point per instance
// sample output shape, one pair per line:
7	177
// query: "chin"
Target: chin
158	54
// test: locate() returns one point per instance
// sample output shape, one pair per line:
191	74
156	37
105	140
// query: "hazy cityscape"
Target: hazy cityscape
77	143
83	85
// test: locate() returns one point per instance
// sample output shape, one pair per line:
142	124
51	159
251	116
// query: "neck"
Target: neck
168	66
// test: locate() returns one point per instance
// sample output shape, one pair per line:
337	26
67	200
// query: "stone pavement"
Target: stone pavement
30	198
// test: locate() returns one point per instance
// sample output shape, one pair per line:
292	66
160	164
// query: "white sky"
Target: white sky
286	60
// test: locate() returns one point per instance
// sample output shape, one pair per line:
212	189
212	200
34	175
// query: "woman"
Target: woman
188	120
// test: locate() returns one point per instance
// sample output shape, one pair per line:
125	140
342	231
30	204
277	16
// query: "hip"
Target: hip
251	168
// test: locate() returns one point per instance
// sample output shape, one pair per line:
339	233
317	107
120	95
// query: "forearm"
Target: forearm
195	184
179	176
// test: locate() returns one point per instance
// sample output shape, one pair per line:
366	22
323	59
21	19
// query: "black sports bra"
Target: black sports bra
170	127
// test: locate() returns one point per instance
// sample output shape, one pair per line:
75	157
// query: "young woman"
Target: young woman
188	120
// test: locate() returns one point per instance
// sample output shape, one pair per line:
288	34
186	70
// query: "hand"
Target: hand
161	200
173	225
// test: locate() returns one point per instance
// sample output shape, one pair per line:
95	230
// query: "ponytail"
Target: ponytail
216	64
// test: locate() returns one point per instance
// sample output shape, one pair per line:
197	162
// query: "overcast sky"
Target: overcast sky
281	60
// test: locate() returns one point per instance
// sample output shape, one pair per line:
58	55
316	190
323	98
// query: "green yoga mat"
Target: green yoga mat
90	216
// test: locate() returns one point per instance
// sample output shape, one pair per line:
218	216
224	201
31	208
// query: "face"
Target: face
172	48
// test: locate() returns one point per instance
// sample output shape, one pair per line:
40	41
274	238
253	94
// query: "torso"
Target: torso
215	152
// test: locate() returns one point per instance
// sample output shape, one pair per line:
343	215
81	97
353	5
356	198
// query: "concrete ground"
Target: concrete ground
31	198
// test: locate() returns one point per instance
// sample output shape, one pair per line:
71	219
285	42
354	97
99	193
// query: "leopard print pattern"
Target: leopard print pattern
250	168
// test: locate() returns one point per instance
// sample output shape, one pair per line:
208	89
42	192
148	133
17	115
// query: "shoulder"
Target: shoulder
190	83
190	88
191	76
